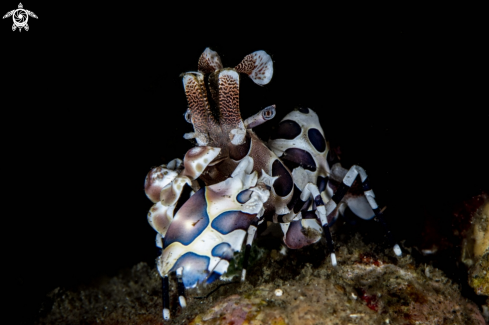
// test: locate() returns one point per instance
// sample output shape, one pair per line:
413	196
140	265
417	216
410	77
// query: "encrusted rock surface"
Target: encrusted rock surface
479	275
369	286
363	289
475	245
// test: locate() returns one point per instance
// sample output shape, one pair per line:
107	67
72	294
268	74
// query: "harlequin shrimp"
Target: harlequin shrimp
237	181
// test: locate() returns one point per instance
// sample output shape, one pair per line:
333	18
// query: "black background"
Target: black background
90	104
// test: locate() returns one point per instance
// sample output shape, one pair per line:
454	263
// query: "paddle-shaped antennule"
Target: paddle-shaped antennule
258	66
198	105
209	61
228	102
222	124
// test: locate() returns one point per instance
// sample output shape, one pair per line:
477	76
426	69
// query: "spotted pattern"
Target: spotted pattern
209	61
297	157
297	237
189	221
317	139
252	65
287	129
244	196
194	268
198	104
231	220
247	65
304	110
284	183
156	179
229	99
223	250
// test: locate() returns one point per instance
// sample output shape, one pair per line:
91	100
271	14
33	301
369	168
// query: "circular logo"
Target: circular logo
20	17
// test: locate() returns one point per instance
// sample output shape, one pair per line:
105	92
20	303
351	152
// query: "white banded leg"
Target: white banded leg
348	180
165	288
311	190
249	241
181	288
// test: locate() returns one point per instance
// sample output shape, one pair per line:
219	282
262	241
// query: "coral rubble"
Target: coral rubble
369	286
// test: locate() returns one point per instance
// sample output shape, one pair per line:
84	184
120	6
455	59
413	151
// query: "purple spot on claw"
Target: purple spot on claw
194	268
229	221
190	220
223	250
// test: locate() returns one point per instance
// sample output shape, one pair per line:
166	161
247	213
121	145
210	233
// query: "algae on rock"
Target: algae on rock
370	285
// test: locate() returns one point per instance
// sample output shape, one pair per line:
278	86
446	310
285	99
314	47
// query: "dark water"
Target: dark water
89	111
